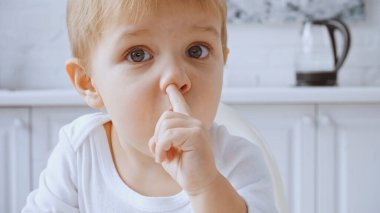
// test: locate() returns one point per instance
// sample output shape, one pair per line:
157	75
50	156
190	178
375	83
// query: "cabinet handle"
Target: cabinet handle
18	123
307	120
19	161
324	120
18	128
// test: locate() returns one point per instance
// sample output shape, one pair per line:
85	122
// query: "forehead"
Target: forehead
152	13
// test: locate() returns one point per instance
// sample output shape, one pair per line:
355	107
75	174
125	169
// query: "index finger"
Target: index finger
177	100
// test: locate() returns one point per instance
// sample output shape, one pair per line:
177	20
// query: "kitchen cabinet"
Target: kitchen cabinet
46	123
14	158
289	131
348	158
324	140
326	153
25	145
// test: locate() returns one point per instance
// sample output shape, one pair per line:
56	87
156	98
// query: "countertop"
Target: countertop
254	95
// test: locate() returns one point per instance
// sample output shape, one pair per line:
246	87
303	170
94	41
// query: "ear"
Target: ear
226	52
83	83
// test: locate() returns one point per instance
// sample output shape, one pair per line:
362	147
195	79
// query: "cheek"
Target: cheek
206	93
134	109
134	121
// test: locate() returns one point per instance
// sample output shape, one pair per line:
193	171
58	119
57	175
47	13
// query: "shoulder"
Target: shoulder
236	157
244	164
224	142
77	131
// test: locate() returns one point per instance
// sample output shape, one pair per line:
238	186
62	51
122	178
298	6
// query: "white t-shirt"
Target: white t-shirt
81	176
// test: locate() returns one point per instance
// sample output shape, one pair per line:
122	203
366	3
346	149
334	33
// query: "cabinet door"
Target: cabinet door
46	123
289	132
348	158
14	159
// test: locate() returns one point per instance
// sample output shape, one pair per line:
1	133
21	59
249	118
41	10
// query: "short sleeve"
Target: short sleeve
57	190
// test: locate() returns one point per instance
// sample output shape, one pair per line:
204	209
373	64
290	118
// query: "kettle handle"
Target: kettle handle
336	24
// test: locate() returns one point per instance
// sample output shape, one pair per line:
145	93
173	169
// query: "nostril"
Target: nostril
184	88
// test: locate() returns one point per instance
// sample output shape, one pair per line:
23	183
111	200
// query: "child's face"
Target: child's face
134	63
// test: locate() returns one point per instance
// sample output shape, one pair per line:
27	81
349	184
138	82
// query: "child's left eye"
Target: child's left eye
198	51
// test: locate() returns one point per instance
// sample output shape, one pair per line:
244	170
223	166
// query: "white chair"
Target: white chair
236	125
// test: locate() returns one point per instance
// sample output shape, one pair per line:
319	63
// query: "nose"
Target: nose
177	75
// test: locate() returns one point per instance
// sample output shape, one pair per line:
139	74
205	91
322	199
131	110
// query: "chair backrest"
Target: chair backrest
236	125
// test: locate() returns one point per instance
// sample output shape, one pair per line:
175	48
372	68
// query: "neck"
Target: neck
139	170
132	157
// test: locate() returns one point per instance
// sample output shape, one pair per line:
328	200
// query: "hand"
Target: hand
182	145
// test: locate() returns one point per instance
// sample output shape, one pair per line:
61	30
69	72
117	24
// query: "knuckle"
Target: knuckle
169	133
160	144
164	144
165	125
162	139
167	114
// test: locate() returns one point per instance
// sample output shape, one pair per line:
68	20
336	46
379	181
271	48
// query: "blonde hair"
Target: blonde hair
86	20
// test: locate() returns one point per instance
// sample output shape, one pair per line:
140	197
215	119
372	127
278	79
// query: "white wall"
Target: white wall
34	47
33	44
263	55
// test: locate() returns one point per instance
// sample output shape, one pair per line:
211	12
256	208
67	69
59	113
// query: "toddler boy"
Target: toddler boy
154	68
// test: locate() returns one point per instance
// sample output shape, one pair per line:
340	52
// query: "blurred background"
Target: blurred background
263	42
304	73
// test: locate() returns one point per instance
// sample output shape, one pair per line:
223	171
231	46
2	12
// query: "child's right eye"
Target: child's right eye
138	55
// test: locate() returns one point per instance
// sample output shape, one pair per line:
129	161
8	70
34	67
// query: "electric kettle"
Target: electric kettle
317	59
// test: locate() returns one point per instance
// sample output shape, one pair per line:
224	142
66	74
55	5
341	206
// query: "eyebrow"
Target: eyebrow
135	32
210	29
138	32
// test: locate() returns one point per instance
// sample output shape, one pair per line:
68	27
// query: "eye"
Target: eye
198	51
138	55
